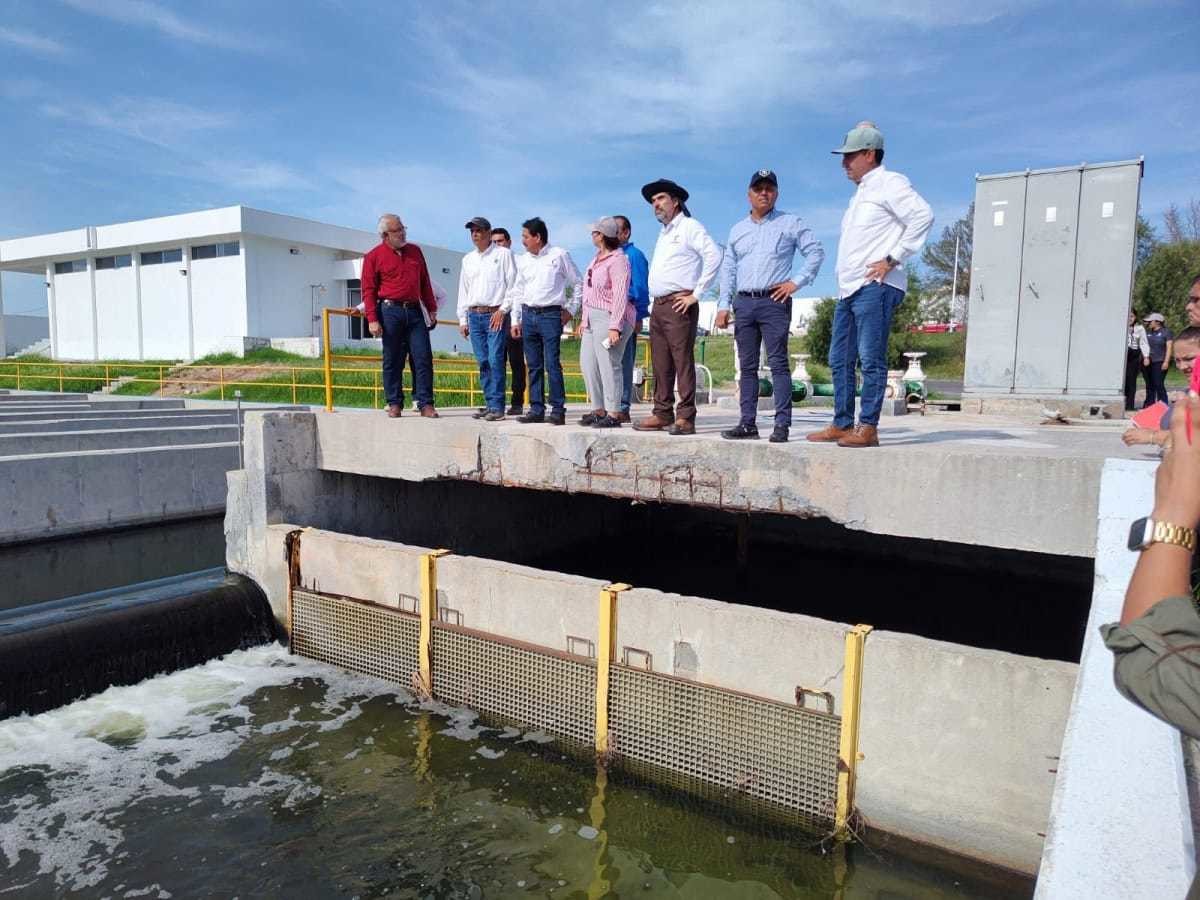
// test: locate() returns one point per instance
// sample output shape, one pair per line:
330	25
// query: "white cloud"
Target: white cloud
151	15
163	123
34	43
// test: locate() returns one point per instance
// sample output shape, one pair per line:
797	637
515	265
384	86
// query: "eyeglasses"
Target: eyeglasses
396	230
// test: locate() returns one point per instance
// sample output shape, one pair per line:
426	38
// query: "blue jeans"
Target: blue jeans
759	319
404	333
627	362
541	329
491	350
861	323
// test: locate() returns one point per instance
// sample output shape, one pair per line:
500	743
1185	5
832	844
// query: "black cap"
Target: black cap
764	175
664	186
481	223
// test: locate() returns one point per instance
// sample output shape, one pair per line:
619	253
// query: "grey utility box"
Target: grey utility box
1051	277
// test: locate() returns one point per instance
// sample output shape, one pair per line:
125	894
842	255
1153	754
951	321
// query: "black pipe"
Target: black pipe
58	652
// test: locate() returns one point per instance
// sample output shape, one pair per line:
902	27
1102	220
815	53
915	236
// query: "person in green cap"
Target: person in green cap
886	223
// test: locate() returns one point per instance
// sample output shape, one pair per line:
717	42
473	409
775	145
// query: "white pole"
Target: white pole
954	284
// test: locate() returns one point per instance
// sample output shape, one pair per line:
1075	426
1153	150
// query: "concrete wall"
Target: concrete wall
958	742
1120	824
73	315
49	495
164	311
72	440
218	301
118	324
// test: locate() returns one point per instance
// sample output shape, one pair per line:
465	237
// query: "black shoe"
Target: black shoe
557	418
479	413
531	418
741	432
515	410
779	435
607	422
496	416
589	419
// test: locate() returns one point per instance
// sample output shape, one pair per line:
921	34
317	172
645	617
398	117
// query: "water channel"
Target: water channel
267	775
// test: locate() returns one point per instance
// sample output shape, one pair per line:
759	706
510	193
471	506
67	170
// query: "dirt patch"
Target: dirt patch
188	381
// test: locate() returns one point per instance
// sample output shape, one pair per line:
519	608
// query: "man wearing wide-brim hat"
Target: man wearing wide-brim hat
686	261
885	224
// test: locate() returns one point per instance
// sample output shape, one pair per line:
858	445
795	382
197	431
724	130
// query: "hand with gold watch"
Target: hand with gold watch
1146	531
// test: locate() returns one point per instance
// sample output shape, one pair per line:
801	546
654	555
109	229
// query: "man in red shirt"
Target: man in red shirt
397	295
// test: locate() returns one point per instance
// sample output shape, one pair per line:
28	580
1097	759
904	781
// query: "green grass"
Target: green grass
40	373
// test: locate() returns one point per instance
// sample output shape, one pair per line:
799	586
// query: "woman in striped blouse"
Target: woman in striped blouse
606	325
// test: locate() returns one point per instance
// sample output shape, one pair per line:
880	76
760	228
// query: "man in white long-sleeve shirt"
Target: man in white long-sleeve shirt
886	223
686	261
540	309
484	283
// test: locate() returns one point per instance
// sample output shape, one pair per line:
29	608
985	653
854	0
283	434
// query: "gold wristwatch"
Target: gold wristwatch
1146	531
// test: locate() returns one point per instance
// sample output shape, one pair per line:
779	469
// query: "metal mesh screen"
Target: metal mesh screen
780	754
517	683
355	635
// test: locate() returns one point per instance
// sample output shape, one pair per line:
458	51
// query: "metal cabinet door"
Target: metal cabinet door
1108	204
995	283
1047	282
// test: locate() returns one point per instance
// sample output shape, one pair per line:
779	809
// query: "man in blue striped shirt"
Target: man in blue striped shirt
639	296
757	283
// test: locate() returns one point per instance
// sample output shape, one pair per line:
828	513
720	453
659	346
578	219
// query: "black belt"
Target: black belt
755	294
537	309
387	301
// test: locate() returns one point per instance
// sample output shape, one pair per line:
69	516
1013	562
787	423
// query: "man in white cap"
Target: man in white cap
886	223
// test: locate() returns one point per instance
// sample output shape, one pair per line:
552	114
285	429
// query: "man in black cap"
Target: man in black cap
685	263
758	284
484	282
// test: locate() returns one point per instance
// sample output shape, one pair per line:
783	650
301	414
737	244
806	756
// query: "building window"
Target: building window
123	261
157	257
211	251
71	265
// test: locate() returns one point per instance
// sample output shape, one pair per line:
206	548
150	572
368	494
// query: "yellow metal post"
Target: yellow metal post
428	613
221	376
160	381
606	648
293	385
60	380
856	639
328	360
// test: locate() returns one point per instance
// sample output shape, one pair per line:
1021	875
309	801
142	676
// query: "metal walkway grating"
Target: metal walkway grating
355	635
533	687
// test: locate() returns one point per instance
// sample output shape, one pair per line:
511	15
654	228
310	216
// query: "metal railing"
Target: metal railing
443	369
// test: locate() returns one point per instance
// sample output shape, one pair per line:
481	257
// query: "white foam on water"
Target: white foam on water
102	755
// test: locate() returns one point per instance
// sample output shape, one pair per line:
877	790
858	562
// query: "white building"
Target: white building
229	279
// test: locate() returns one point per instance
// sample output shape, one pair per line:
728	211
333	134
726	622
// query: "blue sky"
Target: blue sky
123	109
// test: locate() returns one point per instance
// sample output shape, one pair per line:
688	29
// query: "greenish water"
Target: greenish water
266	775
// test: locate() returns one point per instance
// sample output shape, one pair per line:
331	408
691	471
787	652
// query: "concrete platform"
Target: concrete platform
973	479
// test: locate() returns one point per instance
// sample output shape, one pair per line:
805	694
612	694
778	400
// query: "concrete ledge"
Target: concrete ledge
113	439
1120	825
36	422
958	742
55	494
973	490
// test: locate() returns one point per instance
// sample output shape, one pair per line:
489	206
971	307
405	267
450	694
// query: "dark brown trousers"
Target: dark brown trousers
673	356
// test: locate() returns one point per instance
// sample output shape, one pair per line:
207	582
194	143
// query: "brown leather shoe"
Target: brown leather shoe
622	417
862	436
428	412
682	426
393	410
651	423
828	435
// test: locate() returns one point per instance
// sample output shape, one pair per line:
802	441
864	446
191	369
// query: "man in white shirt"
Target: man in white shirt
540	308
487	275
886	223
686	261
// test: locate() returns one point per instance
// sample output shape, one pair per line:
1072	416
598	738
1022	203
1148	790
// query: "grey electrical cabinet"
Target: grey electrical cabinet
1051	276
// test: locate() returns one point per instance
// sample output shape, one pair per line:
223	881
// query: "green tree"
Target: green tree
938	256
1147	240
1163	281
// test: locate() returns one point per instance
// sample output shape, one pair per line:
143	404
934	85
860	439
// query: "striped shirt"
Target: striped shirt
606	286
